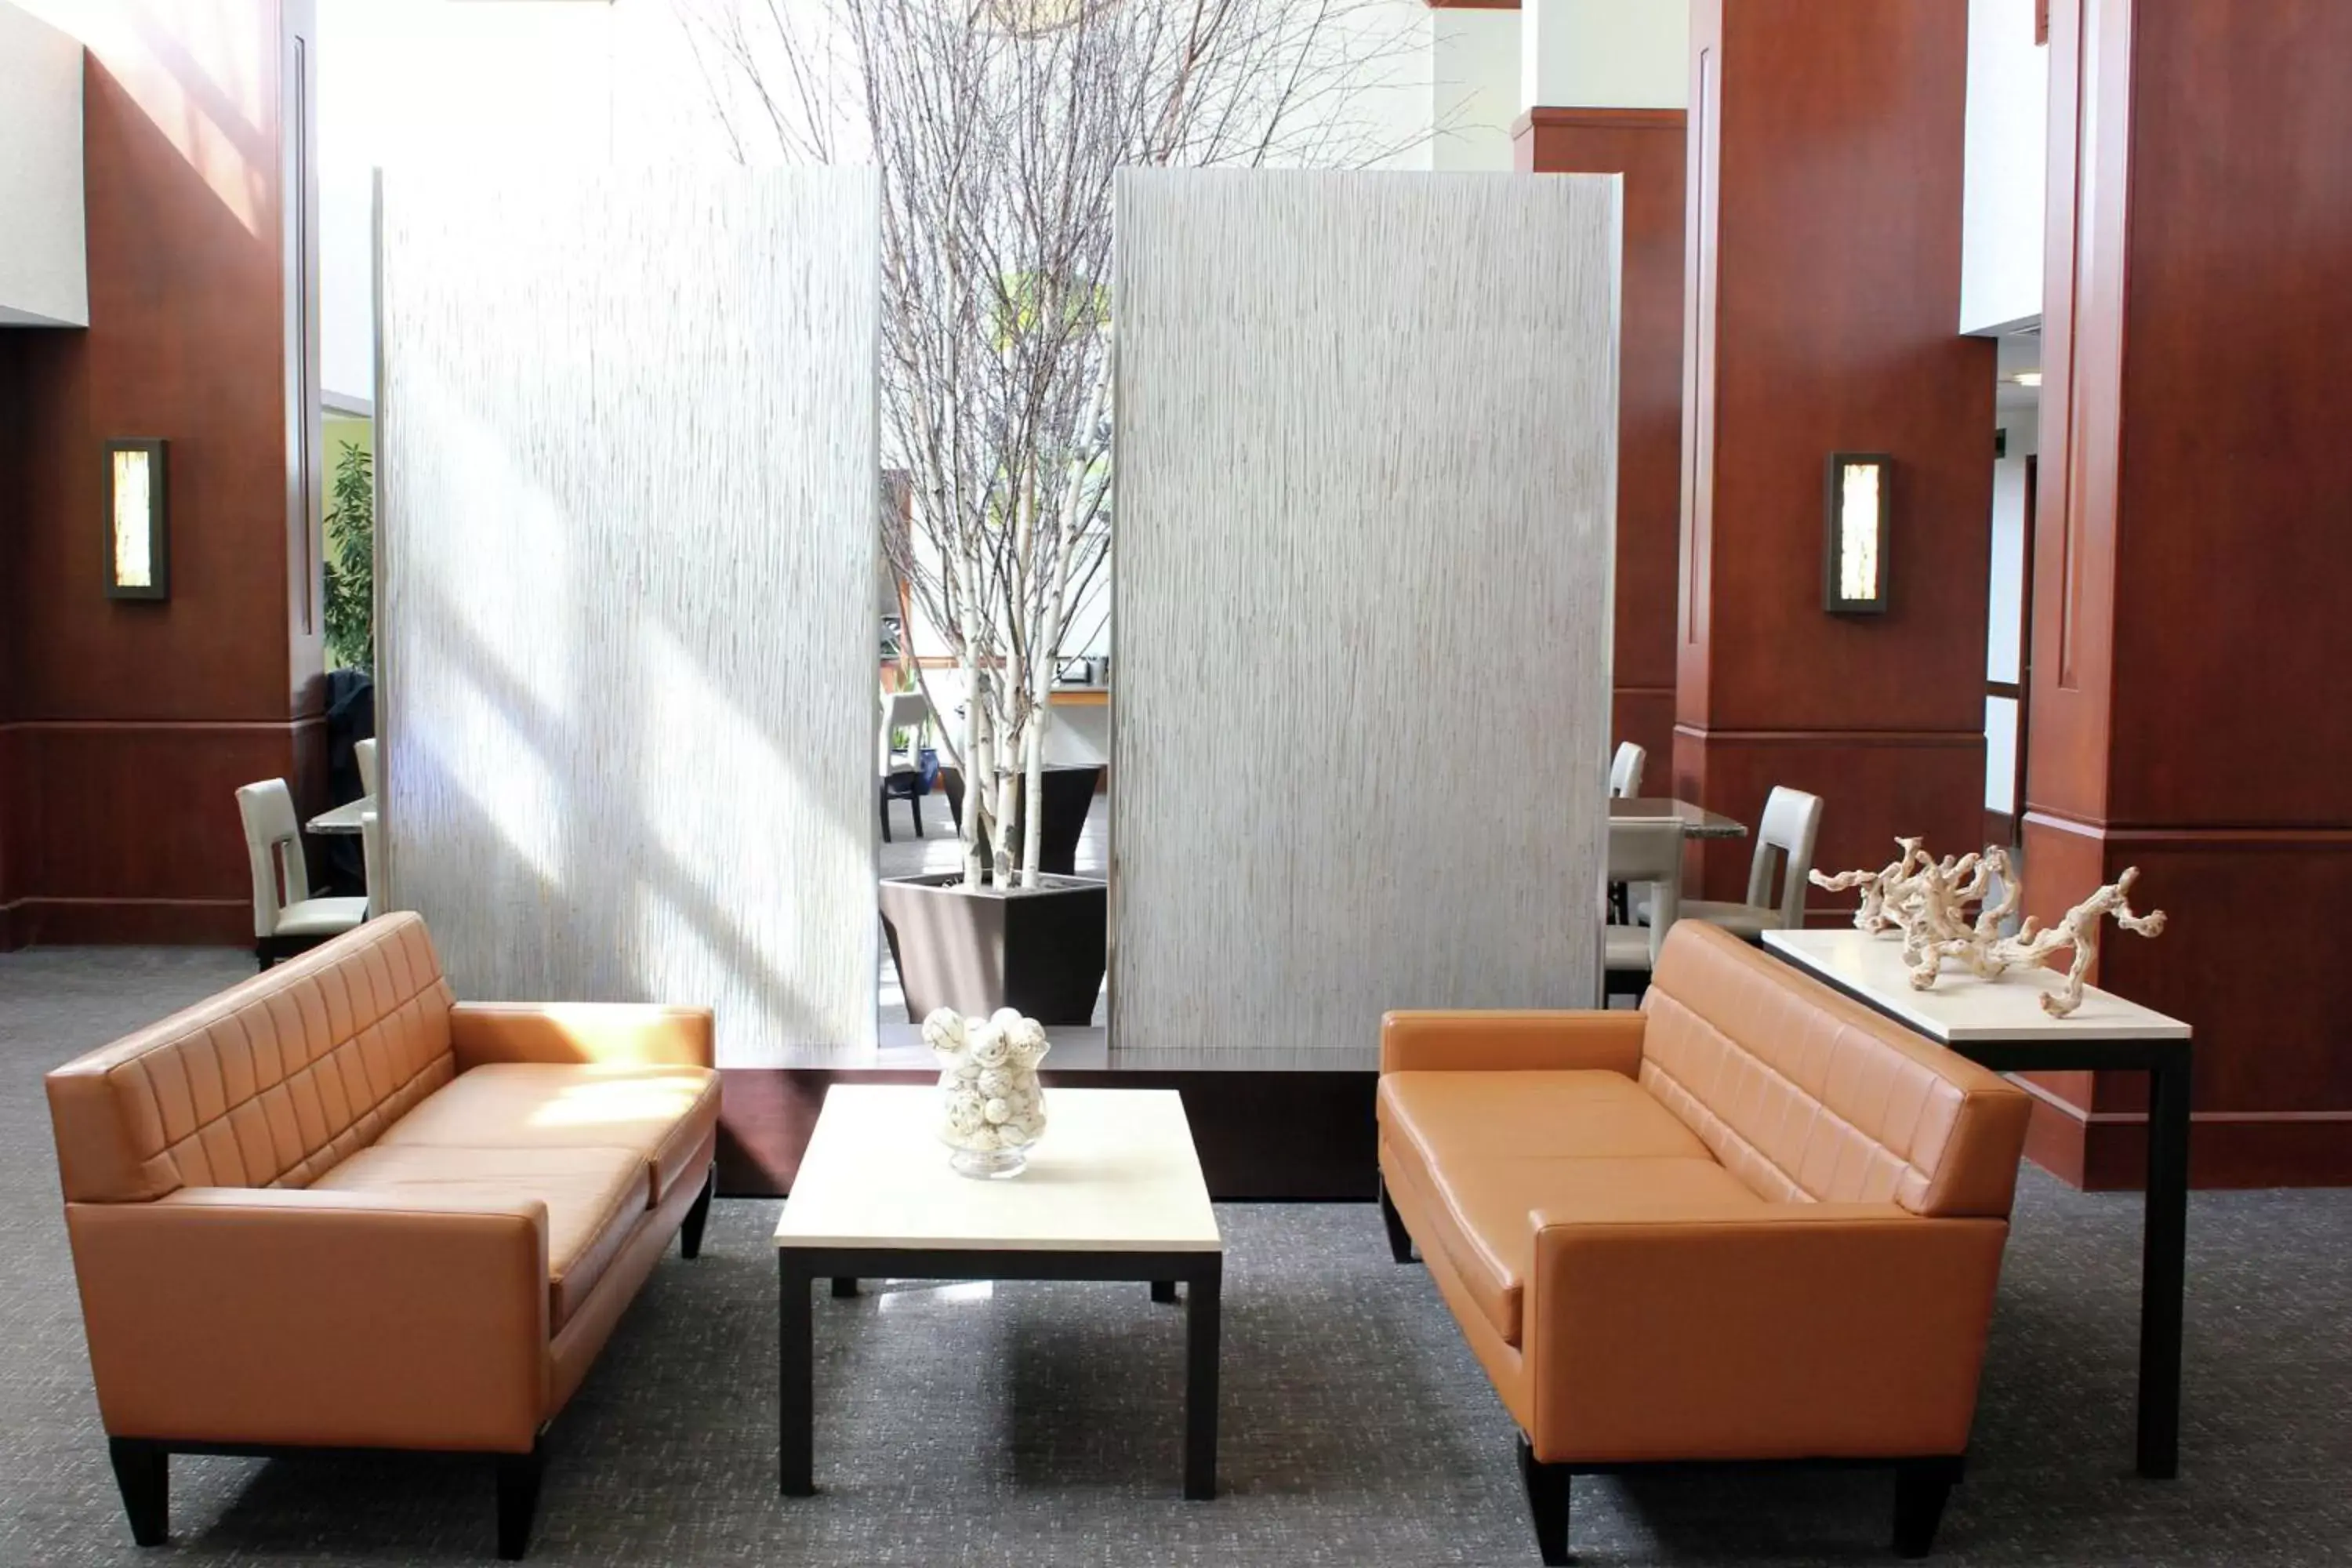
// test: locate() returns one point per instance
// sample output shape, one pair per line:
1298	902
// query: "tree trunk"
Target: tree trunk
975	750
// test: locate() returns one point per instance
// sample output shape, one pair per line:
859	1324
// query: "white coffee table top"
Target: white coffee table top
1116	1172
1961	1008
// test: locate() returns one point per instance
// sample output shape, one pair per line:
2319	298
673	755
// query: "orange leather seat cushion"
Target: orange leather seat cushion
1490	1148
664	1113
1593	1115
596	1198
1483	1209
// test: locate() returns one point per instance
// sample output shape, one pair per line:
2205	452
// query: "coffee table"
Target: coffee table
1114	1192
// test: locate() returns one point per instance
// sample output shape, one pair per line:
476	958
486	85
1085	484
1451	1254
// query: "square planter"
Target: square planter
1041	951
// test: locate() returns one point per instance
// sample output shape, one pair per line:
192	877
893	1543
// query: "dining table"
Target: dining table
343	818
1696	820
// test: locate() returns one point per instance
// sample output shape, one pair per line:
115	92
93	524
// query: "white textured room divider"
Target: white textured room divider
1366	500
626	457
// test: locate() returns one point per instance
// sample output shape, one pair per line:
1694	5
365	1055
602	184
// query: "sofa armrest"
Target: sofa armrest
614	1033
1805	1330
261	1315
1561	1041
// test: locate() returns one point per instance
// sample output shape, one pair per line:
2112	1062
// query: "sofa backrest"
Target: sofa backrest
1806	1095
268	1084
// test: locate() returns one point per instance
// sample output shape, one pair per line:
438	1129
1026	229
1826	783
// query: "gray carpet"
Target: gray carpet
1038	1425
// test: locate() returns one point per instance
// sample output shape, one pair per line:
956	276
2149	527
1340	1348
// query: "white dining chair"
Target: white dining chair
1784	842
1646	853
372	859
286	918
363	754
1625	770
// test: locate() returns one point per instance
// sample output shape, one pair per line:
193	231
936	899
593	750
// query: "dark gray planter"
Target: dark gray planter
1039	951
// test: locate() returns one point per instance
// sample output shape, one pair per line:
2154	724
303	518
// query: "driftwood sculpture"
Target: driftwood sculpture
2030	949
1928	900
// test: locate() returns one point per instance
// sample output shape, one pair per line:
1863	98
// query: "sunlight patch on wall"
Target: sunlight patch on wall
627	462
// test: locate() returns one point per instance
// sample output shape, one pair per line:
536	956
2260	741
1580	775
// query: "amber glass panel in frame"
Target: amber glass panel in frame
1854	565
138	527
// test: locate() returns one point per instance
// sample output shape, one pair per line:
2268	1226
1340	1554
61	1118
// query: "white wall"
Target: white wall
1474	87
521	83
43	259
1604	54
2007	157
2006	608
346	287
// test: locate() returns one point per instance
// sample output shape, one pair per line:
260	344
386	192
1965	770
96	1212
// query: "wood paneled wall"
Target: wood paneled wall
1822	290
1647	147
2190	700
125	727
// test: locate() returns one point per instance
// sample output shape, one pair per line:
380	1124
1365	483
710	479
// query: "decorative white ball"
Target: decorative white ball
988	1080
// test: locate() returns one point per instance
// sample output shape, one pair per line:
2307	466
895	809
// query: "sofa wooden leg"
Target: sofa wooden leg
1400	1238
518	1499
689	1229
1920	1487
1548	1487
143	1471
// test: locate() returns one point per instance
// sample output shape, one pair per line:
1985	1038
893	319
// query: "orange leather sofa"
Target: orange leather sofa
1753	1221
333	1208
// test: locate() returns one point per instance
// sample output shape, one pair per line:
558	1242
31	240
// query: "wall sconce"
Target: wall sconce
138	523
1854	565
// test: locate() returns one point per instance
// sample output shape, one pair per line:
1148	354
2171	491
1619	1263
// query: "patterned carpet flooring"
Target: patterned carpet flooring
1038	1425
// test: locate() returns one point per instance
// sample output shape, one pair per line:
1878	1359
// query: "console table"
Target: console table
2000	1023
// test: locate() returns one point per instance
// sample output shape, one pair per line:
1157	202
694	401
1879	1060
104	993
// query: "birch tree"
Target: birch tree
998	127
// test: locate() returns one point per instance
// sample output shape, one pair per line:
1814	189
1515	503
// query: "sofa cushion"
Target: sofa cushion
1808	1094
662	1113
1481	1211
1595	1115
595	1197
270	1083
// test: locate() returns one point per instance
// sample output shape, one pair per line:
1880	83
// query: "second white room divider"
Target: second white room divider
1365	507
626	450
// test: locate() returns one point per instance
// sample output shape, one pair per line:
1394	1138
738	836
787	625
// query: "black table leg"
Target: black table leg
1163	1291
2163	1268
795	1381
1202	1294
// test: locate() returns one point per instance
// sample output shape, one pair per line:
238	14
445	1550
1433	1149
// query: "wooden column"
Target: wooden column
1647	147
126	727
1823	306
2190	647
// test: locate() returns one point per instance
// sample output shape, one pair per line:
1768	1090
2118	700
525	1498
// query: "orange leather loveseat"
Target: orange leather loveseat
1752	1221
333	1208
